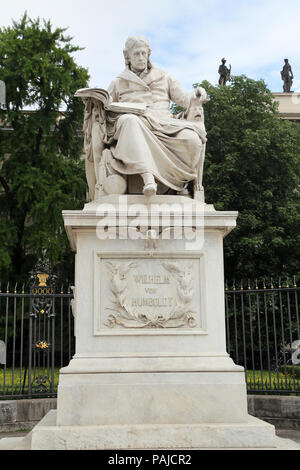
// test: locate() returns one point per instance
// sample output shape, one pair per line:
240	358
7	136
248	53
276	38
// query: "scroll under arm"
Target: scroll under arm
95	140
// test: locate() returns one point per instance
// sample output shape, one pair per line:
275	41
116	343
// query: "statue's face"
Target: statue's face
138	57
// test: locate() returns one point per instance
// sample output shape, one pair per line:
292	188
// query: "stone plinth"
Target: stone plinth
151	368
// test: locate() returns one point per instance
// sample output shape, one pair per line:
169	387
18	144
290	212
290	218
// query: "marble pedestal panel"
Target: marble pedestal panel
151	368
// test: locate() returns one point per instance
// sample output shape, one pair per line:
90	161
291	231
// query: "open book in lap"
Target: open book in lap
105	98
126	108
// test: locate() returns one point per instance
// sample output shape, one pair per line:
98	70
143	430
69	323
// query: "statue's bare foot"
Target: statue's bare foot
150	189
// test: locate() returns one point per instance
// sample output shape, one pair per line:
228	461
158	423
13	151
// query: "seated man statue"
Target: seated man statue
141	136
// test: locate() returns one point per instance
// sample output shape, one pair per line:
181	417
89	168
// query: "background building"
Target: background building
289	105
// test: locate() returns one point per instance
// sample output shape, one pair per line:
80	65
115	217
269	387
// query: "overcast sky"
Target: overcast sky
188	37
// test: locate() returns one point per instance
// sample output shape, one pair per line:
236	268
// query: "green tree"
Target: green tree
253	166
41	171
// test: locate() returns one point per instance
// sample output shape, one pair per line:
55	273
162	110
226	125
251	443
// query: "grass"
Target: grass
257	380
15	382
275	381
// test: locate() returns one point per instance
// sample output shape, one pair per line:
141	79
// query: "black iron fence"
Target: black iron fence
263	335
36	340
37	337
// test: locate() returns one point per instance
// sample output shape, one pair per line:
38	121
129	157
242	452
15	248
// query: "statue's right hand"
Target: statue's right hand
201	96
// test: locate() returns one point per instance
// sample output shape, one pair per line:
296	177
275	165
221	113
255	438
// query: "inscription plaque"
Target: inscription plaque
148	293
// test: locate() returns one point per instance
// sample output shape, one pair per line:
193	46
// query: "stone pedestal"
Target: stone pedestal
151	368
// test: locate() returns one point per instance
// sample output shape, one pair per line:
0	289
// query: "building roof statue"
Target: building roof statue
225	73
287	76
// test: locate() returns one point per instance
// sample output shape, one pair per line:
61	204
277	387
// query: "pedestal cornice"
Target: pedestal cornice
125	210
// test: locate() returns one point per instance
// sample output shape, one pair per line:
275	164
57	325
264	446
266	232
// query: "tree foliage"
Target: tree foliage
41	172
253	166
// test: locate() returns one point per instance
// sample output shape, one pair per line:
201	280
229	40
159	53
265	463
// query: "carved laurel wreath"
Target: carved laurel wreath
182	315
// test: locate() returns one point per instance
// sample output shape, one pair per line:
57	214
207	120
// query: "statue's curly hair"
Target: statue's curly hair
134	41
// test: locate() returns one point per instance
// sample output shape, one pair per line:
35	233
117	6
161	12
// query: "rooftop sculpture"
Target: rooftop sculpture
287	76
224	72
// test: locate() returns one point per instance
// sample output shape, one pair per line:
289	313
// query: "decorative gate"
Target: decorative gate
41	329
36	335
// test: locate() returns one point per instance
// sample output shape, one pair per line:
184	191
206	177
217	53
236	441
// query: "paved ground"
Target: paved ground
13	434
293	434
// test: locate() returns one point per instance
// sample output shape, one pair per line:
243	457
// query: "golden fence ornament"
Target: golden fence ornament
42	279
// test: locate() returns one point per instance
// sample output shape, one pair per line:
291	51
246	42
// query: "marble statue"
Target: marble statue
225	73
131	134
287	76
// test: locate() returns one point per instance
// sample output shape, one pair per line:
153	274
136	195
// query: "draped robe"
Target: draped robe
156	142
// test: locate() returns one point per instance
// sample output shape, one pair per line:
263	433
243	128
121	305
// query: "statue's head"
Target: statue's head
224	61
137	53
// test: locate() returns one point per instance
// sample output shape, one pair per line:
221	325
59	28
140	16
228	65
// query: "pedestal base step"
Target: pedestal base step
255	434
